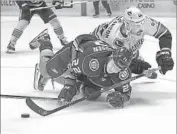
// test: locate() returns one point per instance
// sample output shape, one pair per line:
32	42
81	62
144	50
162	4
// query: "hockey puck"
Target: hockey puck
25	115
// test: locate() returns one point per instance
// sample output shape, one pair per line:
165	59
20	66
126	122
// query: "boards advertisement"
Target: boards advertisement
151	7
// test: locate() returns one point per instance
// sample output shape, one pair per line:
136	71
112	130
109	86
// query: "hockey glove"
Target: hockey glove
164	60
67	93
59	4
137	66
122	58
117	99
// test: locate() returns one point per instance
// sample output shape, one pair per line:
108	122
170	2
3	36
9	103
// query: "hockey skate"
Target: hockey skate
10	48
39	80
109	14
42	36
95	15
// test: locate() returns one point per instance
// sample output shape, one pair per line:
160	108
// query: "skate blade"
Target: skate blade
97	16
10	51
36	75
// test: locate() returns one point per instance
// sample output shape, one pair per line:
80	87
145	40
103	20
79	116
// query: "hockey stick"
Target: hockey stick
65	5
34	107
24	97
167	79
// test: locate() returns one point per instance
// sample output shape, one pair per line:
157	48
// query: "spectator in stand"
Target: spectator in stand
105	5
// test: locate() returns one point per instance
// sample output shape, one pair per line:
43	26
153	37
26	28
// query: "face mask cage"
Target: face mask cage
129	25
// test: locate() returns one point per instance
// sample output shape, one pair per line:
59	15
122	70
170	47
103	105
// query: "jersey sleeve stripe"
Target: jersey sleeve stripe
158	28
97	31
160	35
94	33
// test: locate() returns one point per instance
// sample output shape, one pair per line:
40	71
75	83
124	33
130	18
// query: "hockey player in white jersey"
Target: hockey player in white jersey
129	30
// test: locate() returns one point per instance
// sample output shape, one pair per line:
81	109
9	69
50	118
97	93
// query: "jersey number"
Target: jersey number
74	66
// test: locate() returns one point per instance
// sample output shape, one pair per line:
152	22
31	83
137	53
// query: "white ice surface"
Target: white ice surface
152	109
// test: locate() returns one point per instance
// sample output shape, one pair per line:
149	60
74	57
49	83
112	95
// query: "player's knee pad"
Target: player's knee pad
47	53
22	25
45	56
87	91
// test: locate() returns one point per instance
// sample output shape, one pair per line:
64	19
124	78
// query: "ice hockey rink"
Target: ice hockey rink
152	109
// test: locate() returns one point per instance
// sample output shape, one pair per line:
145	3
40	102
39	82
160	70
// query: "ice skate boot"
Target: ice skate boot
42	36
67	93
109	14
10	48
95	15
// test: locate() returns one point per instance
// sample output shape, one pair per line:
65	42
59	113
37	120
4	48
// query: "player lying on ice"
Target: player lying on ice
91	62
26	13
129	30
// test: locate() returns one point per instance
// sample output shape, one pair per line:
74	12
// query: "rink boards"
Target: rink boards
166	8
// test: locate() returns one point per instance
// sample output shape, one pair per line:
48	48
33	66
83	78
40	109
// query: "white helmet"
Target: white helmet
133	15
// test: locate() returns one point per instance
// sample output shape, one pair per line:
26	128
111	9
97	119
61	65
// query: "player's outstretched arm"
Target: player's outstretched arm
162	33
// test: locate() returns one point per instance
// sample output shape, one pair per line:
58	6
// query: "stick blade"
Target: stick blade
36	108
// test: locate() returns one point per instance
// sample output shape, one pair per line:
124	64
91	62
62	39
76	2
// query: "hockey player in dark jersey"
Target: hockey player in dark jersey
47	15
89	61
